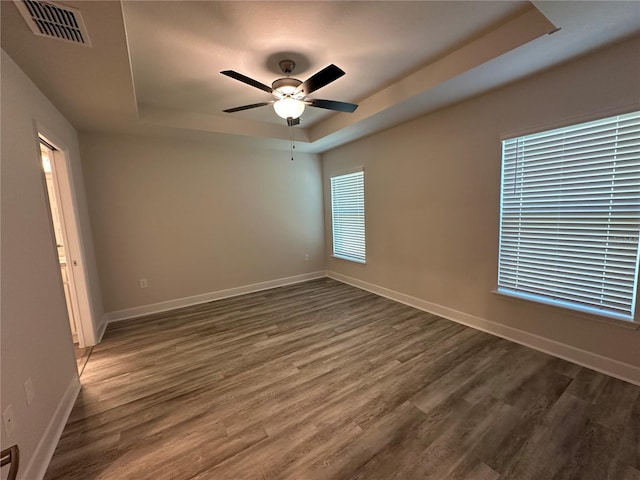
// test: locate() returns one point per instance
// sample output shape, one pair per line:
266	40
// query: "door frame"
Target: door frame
62	175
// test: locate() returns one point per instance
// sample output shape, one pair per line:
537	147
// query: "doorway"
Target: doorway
54	167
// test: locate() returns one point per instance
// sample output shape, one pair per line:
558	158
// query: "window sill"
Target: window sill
349	259
626	324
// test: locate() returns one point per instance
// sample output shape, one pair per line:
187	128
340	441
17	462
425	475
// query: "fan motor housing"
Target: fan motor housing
285	86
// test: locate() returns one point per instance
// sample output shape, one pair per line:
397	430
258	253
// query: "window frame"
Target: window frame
342	256
631	320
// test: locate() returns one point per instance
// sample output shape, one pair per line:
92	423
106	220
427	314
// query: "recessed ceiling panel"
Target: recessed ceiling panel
178	48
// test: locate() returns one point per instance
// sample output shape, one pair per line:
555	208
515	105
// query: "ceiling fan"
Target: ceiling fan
291	94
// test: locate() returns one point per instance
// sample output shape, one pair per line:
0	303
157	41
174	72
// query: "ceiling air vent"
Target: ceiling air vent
48	19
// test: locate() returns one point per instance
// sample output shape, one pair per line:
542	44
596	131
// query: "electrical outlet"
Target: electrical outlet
9	420
29	392
306	257
144	283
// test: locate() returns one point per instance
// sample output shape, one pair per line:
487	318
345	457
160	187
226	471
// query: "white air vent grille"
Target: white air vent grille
48	19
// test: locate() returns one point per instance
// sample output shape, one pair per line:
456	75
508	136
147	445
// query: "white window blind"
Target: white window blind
347	213
570	216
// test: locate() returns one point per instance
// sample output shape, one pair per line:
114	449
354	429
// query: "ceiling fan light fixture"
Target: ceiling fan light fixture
288	108
291	94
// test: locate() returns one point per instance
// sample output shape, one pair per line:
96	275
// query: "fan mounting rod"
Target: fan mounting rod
287	66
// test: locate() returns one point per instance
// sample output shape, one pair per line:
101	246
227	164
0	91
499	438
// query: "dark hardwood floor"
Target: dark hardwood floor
324	381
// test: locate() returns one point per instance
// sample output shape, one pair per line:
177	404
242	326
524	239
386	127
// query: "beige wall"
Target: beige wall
194	217
432	197
35	337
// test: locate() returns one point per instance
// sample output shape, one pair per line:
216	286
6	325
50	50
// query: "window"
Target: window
347	216
570	216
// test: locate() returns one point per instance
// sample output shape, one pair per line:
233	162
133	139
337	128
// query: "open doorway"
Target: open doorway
64	228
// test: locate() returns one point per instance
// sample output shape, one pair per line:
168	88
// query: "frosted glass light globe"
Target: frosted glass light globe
289	108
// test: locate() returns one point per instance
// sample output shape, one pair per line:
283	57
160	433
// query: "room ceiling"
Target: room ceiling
153	67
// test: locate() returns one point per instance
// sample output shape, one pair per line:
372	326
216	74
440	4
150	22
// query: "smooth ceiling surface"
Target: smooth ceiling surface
153	67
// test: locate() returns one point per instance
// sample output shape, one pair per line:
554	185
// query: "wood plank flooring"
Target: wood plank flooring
82	356
324	381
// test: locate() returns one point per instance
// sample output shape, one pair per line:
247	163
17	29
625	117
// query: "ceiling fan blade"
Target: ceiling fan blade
247	107
332	105
247	80
320	79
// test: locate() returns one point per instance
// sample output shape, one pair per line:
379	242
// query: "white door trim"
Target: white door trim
74	248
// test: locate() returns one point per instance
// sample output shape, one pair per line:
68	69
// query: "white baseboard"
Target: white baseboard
37	466
608	366
134	312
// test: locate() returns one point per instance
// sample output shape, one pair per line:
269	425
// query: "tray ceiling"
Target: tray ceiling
153	67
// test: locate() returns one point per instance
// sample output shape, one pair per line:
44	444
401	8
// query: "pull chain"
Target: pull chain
293	146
